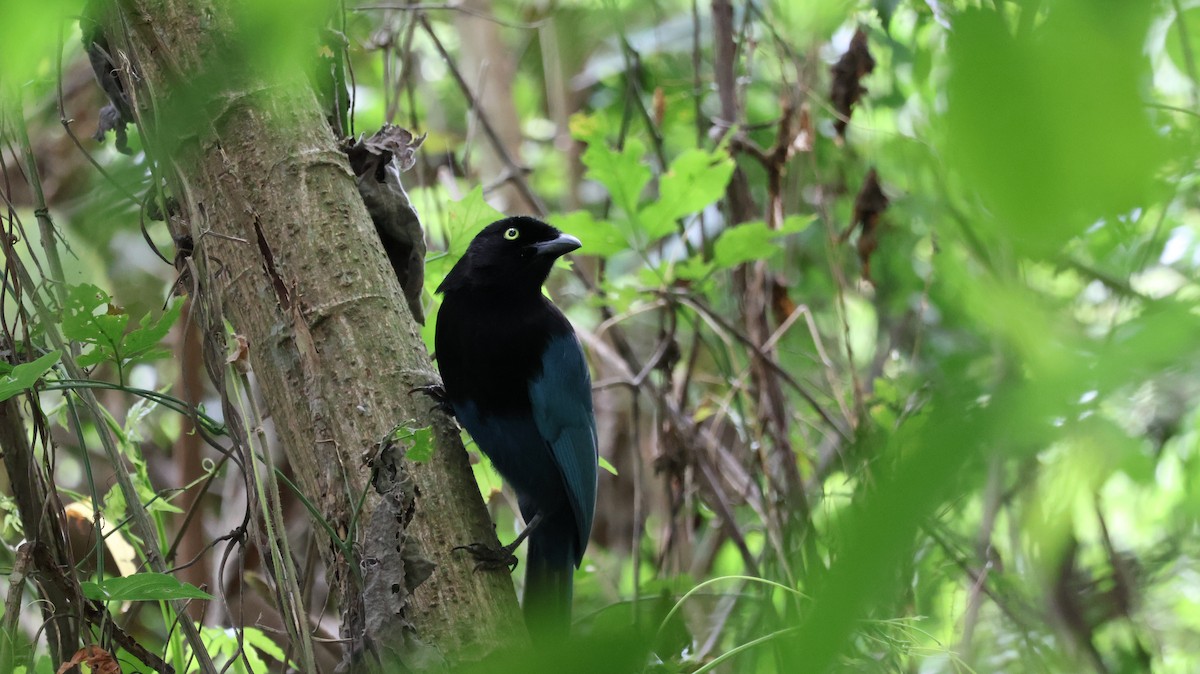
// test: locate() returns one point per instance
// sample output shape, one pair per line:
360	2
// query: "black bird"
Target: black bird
515	377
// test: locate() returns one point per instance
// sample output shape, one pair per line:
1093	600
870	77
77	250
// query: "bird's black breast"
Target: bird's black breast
490	347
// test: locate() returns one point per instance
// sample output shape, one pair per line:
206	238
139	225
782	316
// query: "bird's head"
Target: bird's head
514	253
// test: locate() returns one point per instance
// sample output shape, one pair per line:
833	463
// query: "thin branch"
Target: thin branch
992	499
1189	59
449	7
516	173
786	376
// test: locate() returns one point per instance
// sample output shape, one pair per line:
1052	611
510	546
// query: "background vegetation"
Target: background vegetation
891	307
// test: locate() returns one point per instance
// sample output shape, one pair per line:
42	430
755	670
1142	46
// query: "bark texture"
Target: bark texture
285	252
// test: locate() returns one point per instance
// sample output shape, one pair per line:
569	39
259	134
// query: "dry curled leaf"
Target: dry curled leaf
377	163
100	660
848	72
869	205
782	305
803	142
240	355
376	152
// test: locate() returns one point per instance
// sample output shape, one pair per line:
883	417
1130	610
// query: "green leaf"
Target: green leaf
693	269
455	223
587	128
142	587
620	171
696	179
29	40
91	318
421	448
598	237
218	642
161	505
607	466
262	642
464	219
143	340
259	639
753	241
80	322
113	506
93	357
114	509
1059	137
24	376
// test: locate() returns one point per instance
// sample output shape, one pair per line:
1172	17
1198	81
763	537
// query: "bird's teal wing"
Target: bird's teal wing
561	397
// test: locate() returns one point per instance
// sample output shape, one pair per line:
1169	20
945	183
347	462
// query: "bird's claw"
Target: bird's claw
491	558
437	394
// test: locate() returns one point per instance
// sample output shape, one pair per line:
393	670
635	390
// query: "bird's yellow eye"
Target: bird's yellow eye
511	234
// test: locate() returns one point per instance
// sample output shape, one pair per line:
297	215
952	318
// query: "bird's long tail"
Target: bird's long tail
549	572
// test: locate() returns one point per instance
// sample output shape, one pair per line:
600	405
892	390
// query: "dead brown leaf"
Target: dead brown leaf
847	89
869	205
100	661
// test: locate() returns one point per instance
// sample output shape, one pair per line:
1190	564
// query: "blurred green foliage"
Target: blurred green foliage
1049	125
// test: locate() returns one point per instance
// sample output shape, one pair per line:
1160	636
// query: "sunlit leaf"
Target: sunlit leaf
146	586
465	218
752	241
604	463
696	179
623	172
1049	126
419	442
598	237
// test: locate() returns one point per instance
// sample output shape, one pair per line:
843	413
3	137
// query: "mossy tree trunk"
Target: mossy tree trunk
285	252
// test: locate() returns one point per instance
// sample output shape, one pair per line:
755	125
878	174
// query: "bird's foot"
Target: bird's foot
492	558
437	394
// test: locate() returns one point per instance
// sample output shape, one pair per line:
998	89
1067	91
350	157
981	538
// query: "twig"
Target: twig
451	7
722	18
1189	59
99	616
786	376
283	564
472	121
633	66
635	552
16	586
992	498
49	233
687	428
516	173
143	527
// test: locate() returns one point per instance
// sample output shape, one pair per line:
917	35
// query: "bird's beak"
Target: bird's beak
558	246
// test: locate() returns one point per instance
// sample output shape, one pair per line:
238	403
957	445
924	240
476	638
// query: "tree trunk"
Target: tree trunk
286	254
